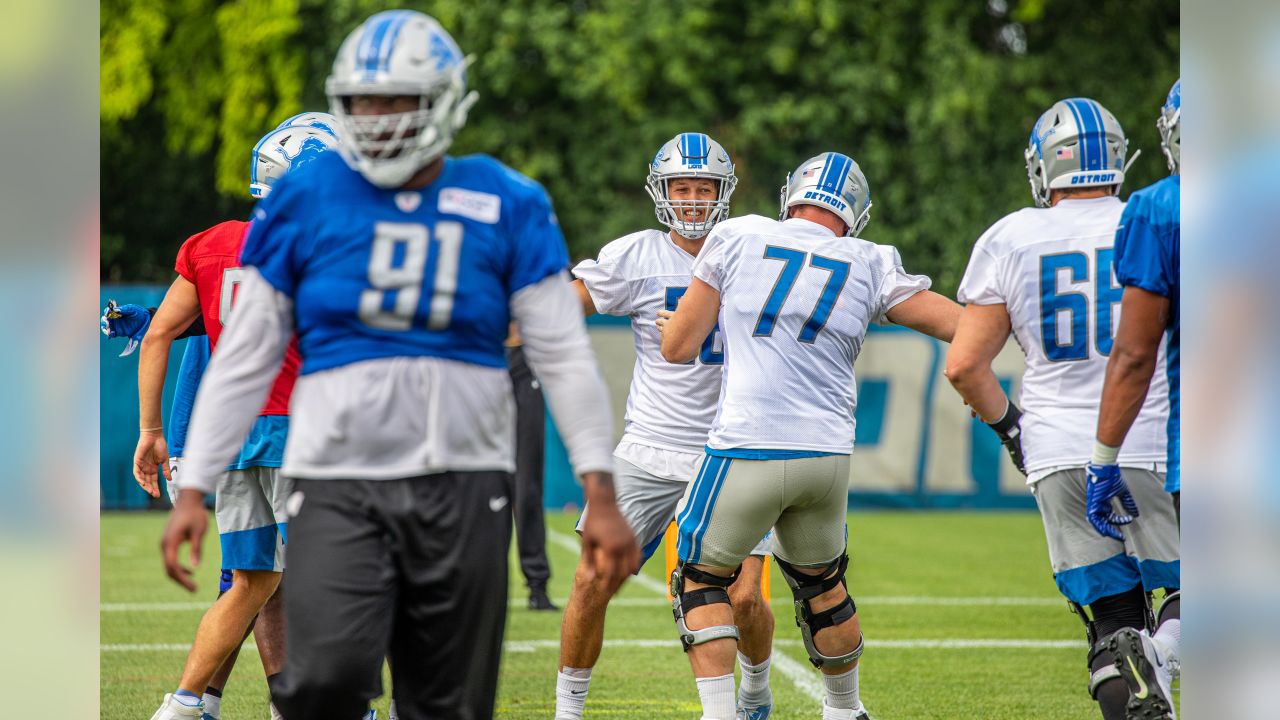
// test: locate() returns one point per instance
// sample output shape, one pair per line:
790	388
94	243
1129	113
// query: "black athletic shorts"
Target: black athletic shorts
413	570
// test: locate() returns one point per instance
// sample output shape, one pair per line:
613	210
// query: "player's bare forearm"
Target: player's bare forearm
584	296
1143	317
179	309
929	313
694	319
979	336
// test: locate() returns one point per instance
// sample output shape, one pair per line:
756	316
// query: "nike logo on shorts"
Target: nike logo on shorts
497	503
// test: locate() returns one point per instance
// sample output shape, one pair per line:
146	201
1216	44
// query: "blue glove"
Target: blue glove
1102	483
129	321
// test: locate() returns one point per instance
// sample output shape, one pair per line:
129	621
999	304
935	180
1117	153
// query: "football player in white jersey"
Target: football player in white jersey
794	299
1046	274
669	409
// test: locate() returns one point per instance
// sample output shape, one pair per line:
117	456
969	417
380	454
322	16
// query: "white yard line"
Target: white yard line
518	600
804	677
799	673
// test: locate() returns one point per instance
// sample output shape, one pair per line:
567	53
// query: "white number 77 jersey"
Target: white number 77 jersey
1053	269
795	304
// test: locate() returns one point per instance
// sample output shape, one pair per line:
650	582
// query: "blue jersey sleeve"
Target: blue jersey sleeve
272	245
1144	249
194	360
538	248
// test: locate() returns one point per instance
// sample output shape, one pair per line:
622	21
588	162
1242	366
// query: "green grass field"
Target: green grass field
959	609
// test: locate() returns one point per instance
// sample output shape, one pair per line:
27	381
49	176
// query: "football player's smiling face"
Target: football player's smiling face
692	197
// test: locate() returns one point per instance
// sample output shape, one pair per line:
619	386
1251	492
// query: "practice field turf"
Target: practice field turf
959	610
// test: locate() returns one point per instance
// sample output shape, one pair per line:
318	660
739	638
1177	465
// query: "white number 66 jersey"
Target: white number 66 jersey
1053	268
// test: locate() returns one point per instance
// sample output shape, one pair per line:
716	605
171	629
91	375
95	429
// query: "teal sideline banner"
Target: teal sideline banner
916	445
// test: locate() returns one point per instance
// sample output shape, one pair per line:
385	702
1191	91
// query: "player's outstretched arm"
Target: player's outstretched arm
1143	318
684	331
929	313
549	317
979	336
180	307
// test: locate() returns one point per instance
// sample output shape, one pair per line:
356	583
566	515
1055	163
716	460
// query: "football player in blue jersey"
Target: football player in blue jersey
1147	249
398	269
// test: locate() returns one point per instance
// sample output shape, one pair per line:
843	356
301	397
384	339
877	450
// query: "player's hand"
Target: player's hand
129	321
609	548
171	480
188	522
664	317
1009	430
149	458
1102	484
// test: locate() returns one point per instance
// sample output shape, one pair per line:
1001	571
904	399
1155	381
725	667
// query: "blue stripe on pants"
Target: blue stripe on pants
1087	583
1160	574
250	549
691	516
711	505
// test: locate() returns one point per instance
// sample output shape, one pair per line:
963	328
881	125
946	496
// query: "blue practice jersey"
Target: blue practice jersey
380	273
264	447
1147	250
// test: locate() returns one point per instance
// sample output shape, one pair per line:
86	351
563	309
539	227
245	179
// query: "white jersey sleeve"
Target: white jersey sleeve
555	341
981	282
896	284
607	284
709	267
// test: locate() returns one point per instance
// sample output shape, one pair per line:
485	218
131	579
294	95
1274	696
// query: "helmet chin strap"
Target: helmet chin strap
1132	157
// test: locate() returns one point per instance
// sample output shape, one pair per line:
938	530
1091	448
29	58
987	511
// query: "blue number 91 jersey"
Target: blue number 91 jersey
378	273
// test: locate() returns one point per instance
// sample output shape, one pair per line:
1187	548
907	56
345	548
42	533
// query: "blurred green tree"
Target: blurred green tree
934	98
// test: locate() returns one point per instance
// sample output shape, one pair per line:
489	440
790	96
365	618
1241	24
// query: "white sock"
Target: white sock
755	682
571	692
391	712
842	693
212	705
275	714
717	697
1168	637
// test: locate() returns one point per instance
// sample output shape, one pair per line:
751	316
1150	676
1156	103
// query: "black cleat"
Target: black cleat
538	600
1145	672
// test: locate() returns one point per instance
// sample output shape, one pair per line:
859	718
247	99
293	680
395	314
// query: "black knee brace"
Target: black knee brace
1103	617
805	587
682	602
1170	608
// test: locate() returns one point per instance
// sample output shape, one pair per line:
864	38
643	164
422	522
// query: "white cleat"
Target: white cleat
173	709
858	713
1149	677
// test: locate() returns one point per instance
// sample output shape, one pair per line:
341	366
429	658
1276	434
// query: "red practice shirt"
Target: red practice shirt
211	261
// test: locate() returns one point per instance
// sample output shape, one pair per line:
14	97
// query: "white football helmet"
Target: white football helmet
399	52
286	148
832	182
321	120
1169	124
690	155
1077	143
